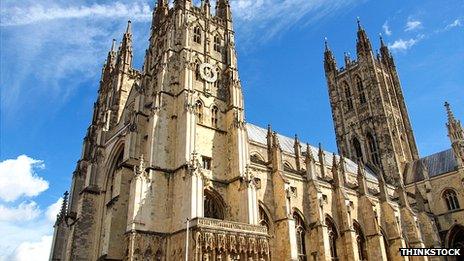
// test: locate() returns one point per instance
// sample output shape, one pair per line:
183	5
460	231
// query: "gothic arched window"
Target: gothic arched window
360	241
212	204
357	149
263	218
451	199
199	111
373	149
348	97
197	34
333	235
217	43
362	95
300	236
214	116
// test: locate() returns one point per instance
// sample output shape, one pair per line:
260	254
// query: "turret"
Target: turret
456	135
206	7
61	217
385	55
363	45
330	65
223	10
124	59
160	12
181	4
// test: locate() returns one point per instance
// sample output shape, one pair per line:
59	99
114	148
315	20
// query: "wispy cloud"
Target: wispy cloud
455	23
412	25
403	45
265	19
386	29
36	13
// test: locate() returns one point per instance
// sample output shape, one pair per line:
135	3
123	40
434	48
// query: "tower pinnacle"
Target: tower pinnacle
363	45
456	135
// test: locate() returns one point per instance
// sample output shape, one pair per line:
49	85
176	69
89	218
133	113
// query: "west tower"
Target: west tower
368	109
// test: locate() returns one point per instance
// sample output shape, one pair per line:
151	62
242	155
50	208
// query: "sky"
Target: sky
52	52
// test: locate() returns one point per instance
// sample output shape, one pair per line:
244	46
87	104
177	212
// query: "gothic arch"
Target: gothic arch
300	233
288	166
214	206
265	217
111	160
115	207
357	148
455	237
360	241
333	236
373	146
256	157
450	198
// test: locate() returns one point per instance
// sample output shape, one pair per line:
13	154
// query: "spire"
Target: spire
309	160
269	136
159	13
456	135
111	59
124	60
223	10
182	4
329	60
64	205
362	183
363	45
297	147
321	159
206	6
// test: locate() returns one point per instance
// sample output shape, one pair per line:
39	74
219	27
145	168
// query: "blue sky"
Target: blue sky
52	52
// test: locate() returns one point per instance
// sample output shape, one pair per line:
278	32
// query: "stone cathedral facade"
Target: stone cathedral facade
170	170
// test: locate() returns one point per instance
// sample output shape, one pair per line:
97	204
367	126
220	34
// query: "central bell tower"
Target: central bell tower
368	108
195	152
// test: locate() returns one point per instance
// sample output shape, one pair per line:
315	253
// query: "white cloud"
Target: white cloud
412	25
455	23
23	212
18	178
38	13
403	45
53	210
386	29
39	250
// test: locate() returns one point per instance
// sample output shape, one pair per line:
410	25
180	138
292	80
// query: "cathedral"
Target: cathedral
170	169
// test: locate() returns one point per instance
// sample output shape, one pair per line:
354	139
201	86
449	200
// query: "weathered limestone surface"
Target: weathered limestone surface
169	144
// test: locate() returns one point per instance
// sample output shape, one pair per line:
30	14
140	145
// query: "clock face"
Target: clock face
208	73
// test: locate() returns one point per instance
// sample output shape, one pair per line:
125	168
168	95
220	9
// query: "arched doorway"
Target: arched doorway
455	237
